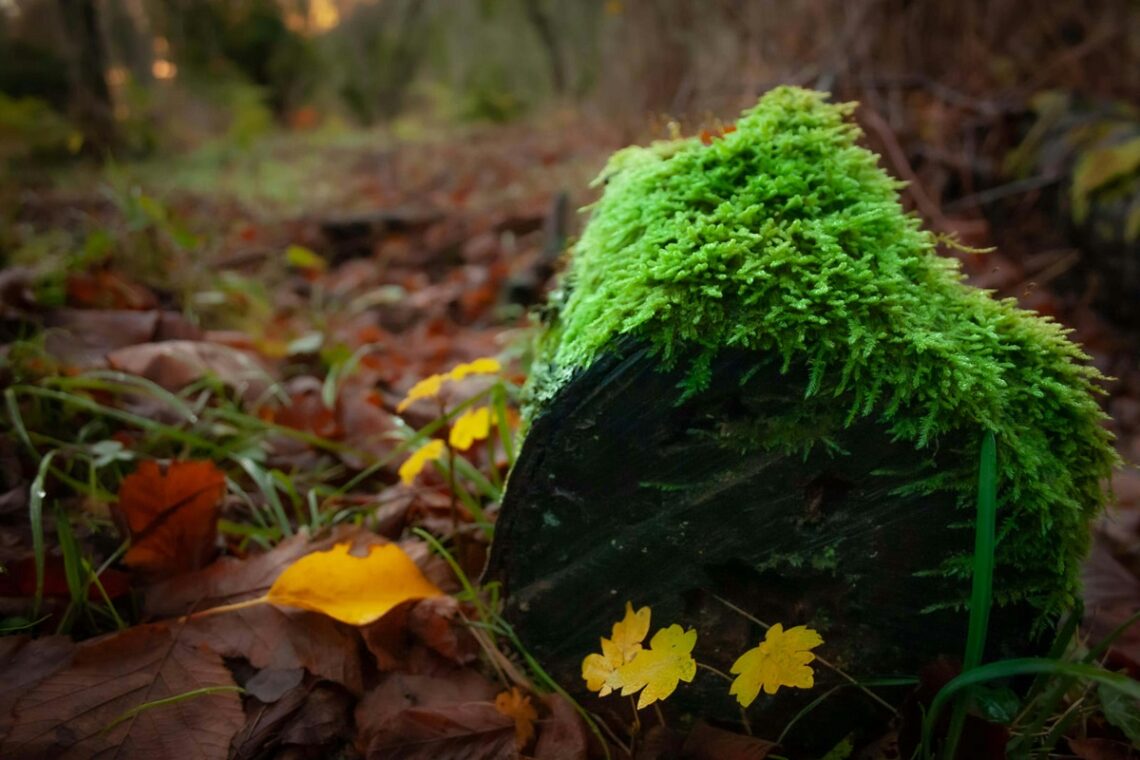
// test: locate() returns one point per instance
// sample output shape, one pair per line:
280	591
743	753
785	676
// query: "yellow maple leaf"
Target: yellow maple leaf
515	705
483	366
473	425
659	669
414	464
600	670
631	631
429	387
354	590
781	659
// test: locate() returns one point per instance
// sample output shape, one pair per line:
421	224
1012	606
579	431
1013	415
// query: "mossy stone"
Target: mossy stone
761	381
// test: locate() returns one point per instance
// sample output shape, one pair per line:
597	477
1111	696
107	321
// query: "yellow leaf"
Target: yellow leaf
600	670
514	705
414	464
303	258
484	366
658	669
473	425
429	387
631	631
781	659
353	590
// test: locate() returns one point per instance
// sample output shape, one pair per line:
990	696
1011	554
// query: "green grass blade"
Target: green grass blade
1021	667
36	518
206	690
981	595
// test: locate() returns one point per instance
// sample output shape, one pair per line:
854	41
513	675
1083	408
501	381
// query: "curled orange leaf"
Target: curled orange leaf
515	705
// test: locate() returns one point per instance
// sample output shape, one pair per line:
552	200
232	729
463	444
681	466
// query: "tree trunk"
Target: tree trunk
91	103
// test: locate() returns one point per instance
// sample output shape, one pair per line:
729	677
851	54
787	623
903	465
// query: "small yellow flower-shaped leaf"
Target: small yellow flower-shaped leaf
353	590
514	705
414	464
631	631
429	387
600	670
473	425
658	669
484	366
781	659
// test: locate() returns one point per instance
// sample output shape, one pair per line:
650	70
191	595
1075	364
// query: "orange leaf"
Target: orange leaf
353	590
171	513
514	705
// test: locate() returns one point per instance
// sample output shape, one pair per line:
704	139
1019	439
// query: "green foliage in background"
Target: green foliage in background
785	238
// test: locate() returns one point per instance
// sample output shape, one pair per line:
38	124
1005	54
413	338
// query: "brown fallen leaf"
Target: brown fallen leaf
378	711
562	736
171	512
84	337
283	639
174	364
324	717
706	742
91	707
106	289
25	662
439	624
470	731
1102	749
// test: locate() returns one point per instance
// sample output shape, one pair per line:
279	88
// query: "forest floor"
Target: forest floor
252	317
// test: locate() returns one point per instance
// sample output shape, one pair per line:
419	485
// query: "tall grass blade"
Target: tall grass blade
1021	667
981	595
36	518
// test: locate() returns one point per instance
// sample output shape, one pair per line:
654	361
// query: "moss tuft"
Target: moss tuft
784	237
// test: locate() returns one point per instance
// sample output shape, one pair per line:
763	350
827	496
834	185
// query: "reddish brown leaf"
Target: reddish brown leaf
470	731
83	338
20	580
105	289
67	715
708	743
562	736
1102	749
171	512
438	624
324	717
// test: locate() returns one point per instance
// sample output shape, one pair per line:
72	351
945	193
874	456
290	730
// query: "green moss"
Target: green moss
786	238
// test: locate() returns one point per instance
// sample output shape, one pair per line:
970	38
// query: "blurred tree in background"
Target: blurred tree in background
137	75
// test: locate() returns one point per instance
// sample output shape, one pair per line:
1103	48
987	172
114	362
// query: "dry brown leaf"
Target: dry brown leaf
706	742
470	731
66	715
438	624
323	718
171	512
377	712
1102	749
273	638
83	338
562	736
25	662
174	364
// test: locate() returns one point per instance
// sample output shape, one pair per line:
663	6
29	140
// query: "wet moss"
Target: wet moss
785	238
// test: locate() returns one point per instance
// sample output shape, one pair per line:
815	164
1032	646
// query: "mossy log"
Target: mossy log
761	385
